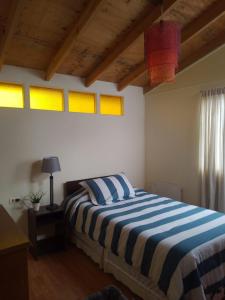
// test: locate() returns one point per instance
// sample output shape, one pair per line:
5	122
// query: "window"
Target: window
11	95
82	102
212	133
46	98
212	149
111	105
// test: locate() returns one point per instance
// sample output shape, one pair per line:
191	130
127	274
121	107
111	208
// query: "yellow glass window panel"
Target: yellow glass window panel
82	102
11	95
111	105
46	99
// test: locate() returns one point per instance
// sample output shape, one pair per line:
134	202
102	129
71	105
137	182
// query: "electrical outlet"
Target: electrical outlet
14	200
16	203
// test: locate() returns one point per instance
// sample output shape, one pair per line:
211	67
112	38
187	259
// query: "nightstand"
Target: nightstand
39	224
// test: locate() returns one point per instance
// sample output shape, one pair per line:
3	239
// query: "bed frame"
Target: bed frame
110	263
70	187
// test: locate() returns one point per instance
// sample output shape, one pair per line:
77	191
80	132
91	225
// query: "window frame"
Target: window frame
116	96
23	93
47	88
83	92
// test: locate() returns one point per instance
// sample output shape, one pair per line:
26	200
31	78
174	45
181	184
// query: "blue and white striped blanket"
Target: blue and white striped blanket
180	247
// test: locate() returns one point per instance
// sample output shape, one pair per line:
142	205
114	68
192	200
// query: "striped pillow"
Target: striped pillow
105	190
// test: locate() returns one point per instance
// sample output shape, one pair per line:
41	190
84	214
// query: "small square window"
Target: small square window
11	95
82	102
111	105
46	99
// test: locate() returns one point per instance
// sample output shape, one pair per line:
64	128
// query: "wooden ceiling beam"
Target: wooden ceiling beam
196	56
150	15
210	15
68	44
128	79
15	10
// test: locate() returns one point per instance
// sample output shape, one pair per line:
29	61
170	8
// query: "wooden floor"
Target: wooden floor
68	275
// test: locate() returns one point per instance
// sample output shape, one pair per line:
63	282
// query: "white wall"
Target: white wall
172	116
87	145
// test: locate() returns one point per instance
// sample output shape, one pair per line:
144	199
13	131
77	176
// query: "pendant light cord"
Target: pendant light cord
162	11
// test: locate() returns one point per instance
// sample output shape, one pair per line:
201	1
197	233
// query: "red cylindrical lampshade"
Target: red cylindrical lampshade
162	47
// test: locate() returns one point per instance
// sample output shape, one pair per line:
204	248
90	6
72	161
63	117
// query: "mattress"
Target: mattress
180	247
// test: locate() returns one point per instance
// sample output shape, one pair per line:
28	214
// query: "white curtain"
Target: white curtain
212	150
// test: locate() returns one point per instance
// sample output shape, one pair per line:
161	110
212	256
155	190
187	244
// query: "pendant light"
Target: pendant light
162	48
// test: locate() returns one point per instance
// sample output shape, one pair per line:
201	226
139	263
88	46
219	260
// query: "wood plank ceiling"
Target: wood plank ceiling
102	39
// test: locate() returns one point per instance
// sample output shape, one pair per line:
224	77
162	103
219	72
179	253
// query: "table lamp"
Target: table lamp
50	165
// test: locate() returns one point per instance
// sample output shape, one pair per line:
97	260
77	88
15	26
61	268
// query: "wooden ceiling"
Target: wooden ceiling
102	39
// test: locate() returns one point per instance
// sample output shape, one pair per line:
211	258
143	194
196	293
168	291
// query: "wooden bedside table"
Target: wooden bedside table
39	222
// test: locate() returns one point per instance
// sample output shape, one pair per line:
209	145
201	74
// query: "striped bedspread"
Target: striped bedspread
180	247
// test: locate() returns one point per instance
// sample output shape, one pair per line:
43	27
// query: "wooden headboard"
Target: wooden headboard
71	186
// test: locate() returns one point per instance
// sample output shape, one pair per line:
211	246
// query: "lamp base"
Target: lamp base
52	207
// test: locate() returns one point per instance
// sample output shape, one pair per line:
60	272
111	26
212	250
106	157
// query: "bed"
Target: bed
160	248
